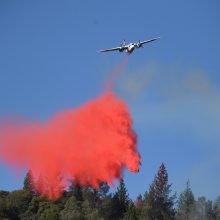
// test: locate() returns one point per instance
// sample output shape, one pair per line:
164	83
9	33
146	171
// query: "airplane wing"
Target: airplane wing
113	49
148	41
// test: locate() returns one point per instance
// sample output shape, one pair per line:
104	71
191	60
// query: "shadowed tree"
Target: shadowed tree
122	198
3	205
131	213
28	185
17	203
209	210
32	210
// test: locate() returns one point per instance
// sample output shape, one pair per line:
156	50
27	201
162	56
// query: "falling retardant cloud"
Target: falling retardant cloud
87	145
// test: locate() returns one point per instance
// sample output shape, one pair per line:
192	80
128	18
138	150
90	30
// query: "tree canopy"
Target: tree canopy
86	203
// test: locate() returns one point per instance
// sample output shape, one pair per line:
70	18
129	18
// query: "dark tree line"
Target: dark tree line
86	203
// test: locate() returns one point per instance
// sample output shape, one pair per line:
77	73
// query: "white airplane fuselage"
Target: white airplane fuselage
131	48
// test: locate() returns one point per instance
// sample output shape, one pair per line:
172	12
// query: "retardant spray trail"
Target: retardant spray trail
115	73
90	144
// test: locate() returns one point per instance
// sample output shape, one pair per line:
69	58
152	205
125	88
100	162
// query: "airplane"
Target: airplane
129	48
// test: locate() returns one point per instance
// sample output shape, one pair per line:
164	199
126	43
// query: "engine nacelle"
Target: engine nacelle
139	45
120	49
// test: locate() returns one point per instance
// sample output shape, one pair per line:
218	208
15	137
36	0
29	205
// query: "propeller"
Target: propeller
139	44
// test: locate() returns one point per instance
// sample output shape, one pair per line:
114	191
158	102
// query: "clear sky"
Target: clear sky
48	63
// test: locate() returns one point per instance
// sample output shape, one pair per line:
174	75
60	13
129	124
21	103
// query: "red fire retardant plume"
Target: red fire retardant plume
88	145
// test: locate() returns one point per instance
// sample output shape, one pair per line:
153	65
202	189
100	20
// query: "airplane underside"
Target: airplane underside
129	48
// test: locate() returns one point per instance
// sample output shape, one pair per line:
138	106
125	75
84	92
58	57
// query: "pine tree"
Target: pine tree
120	200
139	202
159	203
210	213
186	204
131	213
122	195
28	185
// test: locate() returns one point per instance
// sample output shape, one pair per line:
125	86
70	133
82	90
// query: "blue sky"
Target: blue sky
172	86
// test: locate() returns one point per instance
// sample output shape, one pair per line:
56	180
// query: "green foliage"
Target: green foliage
106	208
186	204
3	206
210	214
72	210
131	213
122	199
204	209
48	211
139	202
17	202
28	182
76	191
87	203
32	210
191	209
103	190
90	213
159	204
